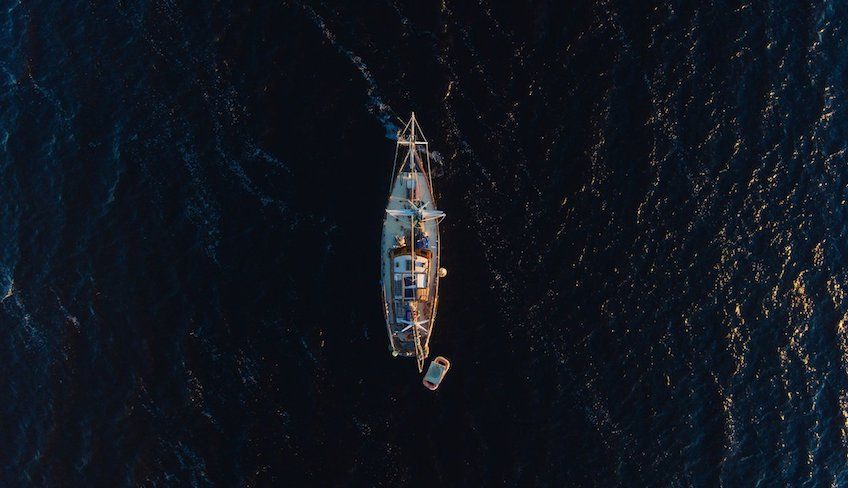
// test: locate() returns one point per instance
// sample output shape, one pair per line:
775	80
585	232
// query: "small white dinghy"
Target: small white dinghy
436	373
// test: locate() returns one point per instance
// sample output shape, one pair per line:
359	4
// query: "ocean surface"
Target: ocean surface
646	240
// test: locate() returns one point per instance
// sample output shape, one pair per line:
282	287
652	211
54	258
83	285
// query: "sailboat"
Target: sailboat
410	247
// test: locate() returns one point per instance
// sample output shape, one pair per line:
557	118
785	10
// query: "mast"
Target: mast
411	162
416	337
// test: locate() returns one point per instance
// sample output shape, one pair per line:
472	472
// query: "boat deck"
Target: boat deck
403	342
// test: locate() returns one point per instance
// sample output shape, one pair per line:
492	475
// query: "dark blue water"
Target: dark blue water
646	242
